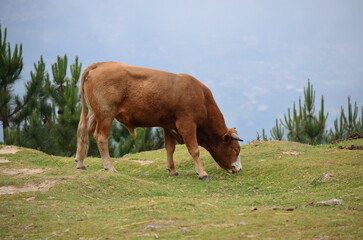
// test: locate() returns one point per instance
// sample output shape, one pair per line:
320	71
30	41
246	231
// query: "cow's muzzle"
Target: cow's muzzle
234	170
236	166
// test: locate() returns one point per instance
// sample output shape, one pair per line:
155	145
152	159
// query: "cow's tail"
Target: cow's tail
82	132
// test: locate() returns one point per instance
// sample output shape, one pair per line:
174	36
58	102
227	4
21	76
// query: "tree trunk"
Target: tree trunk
5	124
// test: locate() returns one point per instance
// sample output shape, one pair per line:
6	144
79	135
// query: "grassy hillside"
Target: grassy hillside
270	198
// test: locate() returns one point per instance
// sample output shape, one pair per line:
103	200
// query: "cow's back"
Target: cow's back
144	97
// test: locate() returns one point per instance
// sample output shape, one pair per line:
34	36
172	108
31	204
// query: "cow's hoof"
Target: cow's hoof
172	174
206	178
82	168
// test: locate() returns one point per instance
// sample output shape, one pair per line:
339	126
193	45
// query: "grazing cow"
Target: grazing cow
142	97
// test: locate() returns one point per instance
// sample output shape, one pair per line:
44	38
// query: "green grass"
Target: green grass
143	202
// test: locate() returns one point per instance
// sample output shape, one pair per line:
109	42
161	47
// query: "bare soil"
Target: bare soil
25	171
4	160
9	150
143	162
292	153
355	136
352	147
352	136
29	187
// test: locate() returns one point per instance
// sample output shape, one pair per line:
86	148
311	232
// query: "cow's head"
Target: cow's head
226	151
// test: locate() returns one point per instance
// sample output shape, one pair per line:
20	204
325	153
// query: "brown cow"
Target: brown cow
143	97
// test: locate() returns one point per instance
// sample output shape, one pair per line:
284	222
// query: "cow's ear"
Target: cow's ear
226	137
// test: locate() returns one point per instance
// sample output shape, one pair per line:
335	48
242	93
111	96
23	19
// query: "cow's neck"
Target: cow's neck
213	128
216	123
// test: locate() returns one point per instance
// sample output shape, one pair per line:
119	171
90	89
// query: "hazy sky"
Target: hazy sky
255	56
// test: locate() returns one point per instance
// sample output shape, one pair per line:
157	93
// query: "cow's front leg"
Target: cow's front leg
101	135
170	149
194	152
189	133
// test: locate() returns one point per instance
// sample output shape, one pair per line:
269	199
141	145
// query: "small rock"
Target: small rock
325	176
30	199
51	197
28	227
252	235
154	226
254	209
331	202
242	223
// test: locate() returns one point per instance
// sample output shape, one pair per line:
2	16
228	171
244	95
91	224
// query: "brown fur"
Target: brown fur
143	97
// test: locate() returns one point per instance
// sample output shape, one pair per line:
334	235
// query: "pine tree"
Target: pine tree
57	88
294	124
64	92
359	127
11	65
262	137
350	120
304	126
314	126
37	95
33	126
347	124
277	132
38	126
338	132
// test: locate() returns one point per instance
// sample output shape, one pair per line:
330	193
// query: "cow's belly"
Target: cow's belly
146	118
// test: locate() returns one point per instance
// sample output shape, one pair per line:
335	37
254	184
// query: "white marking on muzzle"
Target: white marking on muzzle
237	164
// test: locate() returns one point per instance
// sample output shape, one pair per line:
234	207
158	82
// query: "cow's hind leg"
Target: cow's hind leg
85	129
102	132
189	133
170	148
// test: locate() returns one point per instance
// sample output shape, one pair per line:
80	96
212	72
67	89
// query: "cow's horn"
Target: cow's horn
235	137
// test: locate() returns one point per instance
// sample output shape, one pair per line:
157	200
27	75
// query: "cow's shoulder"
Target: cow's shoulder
190	79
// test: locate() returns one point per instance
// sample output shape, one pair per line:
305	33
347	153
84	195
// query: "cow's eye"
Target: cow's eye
236	151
